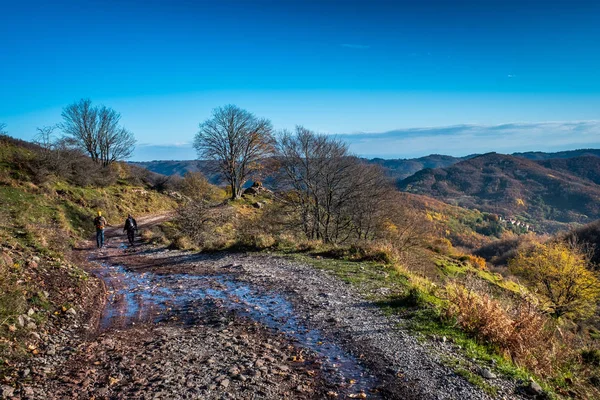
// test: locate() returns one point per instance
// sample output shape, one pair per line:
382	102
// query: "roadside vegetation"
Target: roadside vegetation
494	315
519	304
49	193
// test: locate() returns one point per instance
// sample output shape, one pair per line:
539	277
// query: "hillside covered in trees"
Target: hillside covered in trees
548	195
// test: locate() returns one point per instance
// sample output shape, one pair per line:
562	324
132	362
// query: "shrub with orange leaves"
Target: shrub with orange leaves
522	333
477	262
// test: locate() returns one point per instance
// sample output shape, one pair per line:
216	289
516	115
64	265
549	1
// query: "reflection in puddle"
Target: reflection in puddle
137	297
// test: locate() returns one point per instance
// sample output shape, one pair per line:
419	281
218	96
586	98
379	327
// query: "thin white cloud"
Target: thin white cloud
457	140
462	140
356	46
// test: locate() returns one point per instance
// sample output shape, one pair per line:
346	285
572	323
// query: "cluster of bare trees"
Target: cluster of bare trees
330	194
91	140
336	196
55	155
96	130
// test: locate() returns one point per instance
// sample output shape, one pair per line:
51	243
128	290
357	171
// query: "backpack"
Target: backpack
99	222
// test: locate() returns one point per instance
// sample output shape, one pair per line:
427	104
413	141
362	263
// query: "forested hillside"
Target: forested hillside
547	199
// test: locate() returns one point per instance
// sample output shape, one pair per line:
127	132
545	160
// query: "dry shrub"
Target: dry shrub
209	226
379	251
195	186
154	235
255	241
477	262
253	231
305	245
521	332
267	227
441	245
287	241
474	261
182	243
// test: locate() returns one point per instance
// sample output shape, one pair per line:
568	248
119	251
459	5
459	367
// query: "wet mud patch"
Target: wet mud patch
146	297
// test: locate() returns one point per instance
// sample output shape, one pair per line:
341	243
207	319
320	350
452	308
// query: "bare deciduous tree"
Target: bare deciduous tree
336	196
45	138
402	225
96	130
238	141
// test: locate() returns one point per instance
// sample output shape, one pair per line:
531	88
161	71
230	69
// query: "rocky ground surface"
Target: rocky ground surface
218	326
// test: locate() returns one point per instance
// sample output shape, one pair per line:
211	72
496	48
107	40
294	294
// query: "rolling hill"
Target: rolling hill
403	168
179	168
395	169
538	155
585	167
513	187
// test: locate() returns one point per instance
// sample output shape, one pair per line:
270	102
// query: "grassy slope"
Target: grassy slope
419	301
38	227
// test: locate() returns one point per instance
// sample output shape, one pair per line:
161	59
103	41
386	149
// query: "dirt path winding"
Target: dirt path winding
184	325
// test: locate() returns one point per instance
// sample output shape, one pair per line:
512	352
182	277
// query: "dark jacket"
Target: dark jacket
130	224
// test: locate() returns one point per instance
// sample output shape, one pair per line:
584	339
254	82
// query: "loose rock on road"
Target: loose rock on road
184	325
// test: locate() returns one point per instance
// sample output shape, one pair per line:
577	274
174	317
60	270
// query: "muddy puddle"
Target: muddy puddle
147	297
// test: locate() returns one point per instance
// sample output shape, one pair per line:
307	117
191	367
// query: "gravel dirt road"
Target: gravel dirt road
180	325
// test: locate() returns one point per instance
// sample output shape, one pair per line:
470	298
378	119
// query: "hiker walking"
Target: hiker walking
130	227
100	223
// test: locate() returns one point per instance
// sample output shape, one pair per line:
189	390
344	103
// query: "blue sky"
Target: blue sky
438	76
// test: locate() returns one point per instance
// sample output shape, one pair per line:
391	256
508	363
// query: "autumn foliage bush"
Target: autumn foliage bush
560	274
521	333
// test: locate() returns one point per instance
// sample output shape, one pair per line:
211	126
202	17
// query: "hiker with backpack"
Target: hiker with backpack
100	223
130	227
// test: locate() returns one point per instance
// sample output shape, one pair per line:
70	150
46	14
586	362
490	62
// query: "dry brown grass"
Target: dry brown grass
521	332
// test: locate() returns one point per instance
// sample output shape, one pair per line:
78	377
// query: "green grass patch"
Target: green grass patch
420	308
452	269
371	277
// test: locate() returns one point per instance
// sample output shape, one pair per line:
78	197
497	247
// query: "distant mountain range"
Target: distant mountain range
549	191
538	155
395	168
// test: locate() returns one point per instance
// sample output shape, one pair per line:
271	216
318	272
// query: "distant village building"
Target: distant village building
515	222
